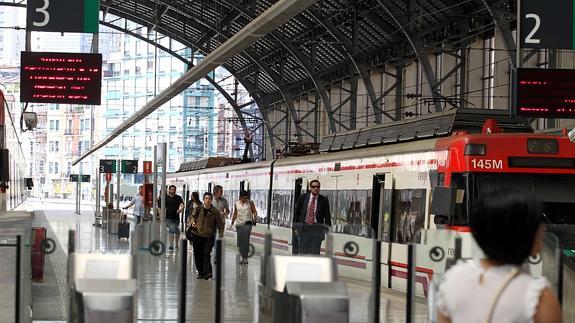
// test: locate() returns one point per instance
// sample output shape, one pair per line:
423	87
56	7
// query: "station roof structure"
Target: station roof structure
330	41
311	49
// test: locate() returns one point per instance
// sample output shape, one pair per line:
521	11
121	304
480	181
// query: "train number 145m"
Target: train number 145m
487	163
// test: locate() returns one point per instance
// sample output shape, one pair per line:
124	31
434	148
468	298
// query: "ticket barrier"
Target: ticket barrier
103	288
104	217
558	265
144	230
114	217
15	266
302	289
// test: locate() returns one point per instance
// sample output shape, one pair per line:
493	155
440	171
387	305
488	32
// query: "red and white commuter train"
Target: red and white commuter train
385	187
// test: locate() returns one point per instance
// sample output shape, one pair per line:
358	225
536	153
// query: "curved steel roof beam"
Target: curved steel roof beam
505	30
269	20
185	61
237	109
427	70
362	70
305	63
246	53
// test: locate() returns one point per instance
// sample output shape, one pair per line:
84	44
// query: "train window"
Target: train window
283	206
350	211
408	215
554	191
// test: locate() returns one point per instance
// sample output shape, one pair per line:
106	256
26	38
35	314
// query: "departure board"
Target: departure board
544	93
69	78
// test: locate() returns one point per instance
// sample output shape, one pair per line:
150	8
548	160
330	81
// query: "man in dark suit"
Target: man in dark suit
310	221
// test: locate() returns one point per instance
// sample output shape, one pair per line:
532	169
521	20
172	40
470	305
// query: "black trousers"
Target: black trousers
203	253
306	239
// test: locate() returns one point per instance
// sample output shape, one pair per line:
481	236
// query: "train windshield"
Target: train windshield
557	192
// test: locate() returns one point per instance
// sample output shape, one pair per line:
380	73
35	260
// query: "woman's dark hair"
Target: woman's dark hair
196	197
208	194
504	223
244	193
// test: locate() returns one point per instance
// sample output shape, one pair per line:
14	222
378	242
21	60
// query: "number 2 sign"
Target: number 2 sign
546	24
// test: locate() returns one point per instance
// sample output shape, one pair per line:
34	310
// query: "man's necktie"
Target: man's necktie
309	218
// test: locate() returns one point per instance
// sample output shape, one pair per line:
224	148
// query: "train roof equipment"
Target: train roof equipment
207	163
430	126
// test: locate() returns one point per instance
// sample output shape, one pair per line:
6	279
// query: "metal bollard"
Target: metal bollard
183	280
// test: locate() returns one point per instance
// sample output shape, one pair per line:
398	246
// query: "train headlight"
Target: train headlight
475	150
542	146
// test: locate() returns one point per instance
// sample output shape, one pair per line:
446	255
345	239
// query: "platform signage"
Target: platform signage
79	16
148	194
82	178
544	93
69	78
147	167
547	24
107	166
129	167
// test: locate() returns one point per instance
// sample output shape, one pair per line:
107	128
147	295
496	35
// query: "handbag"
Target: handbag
190	232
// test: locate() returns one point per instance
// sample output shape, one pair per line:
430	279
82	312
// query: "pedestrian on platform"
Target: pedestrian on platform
220	202
193	204
138	203
311	220
202	230
507	225
174	207
244	216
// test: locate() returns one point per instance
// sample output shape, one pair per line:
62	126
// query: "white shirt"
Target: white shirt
464	299
243	212
138	205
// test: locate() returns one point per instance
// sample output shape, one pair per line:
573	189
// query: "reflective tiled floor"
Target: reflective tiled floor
158	277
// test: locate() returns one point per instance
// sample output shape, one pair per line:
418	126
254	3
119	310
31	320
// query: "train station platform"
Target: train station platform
157	277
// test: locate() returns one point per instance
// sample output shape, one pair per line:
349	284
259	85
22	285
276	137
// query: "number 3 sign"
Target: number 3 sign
54	15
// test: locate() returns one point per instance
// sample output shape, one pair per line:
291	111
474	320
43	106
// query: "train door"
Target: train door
245	186
300	185
382	221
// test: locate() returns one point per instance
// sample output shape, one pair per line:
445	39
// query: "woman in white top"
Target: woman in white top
245	213
506	223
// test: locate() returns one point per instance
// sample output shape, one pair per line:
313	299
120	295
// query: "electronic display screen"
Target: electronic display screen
544	93
69	78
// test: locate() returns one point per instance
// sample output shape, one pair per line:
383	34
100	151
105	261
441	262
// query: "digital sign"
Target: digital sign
69	78
544	93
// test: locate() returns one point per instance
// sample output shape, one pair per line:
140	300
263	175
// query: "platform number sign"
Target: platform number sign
81	178
80	16
547	24
129	166
107	166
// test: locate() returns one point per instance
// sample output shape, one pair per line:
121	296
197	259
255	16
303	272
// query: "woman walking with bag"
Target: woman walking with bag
245	213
